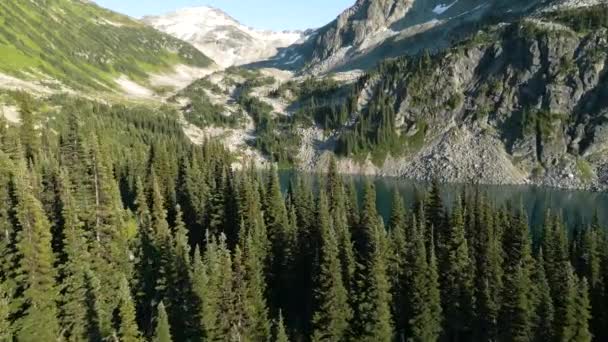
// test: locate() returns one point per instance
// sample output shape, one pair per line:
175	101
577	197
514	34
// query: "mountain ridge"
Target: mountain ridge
76	45
220	36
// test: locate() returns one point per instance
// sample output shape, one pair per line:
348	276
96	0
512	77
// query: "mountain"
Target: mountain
372	30
221	37
515	102
79	45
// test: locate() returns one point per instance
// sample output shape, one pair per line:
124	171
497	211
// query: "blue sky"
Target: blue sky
263	14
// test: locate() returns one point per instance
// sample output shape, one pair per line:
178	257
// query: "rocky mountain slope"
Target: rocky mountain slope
77	45
372	30
514	103
221	37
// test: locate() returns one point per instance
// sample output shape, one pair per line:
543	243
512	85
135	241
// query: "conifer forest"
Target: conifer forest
117	228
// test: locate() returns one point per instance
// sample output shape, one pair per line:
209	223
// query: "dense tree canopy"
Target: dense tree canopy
115	227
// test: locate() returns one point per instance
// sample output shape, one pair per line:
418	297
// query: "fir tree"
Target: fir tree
333	312
544	314
127	326
280	334
373	319
37	313
423	307
457	279
582	313
397	264
162	332
517	307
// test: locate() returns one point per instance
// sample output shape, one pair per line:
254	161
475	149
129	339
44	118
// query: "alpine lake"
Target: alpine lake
577	207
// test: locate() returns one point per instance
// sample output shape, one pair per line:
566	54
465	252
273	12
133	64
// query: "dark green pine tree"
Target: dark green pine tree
215	290
301	203
110	241
456	279
162	332
372	318
281	235
582	313
29	135
434	291
251	322
489	274
79	311
339	211
280	334
423	308
126	325
199	288
35	308
162	244
517	308
332	313
589	265
180	292
561	277
398	262
575	310
544	313
435	215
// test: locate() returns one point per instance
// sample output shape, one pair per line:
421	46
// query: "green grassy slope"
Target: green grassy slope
83	45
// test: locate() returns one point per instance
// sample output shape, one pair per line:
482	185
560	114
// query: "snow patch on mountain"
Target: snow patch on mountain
441	8
221	37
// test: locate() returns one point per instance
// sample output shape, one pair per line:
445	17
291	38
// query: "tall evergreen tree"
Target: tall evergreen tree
423	307
456	279
282	242
127	326
398	262
79	310
280	332
489	274
162	332
36	306
373	321
333	312
517	297
544	313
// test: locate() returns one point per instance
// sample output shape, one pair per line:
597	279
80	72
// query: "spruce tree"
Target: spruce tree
423	308
332	313
252	321
36	309
517	297
280	235
582	313
373	321
79	308
162	332
489	275
127	326
457	279
280	334
397	263
544	313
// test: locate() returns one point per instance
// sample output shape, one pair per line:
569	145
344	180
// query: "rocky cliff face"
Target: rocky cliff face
356	24
372	30
516	103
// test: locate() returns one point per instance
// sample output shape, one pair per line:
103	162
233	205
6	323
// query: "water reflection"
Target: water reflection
577	207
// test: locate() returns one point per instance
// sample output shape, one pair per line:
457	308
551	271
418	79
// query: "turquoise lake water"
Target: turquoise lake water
577	207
